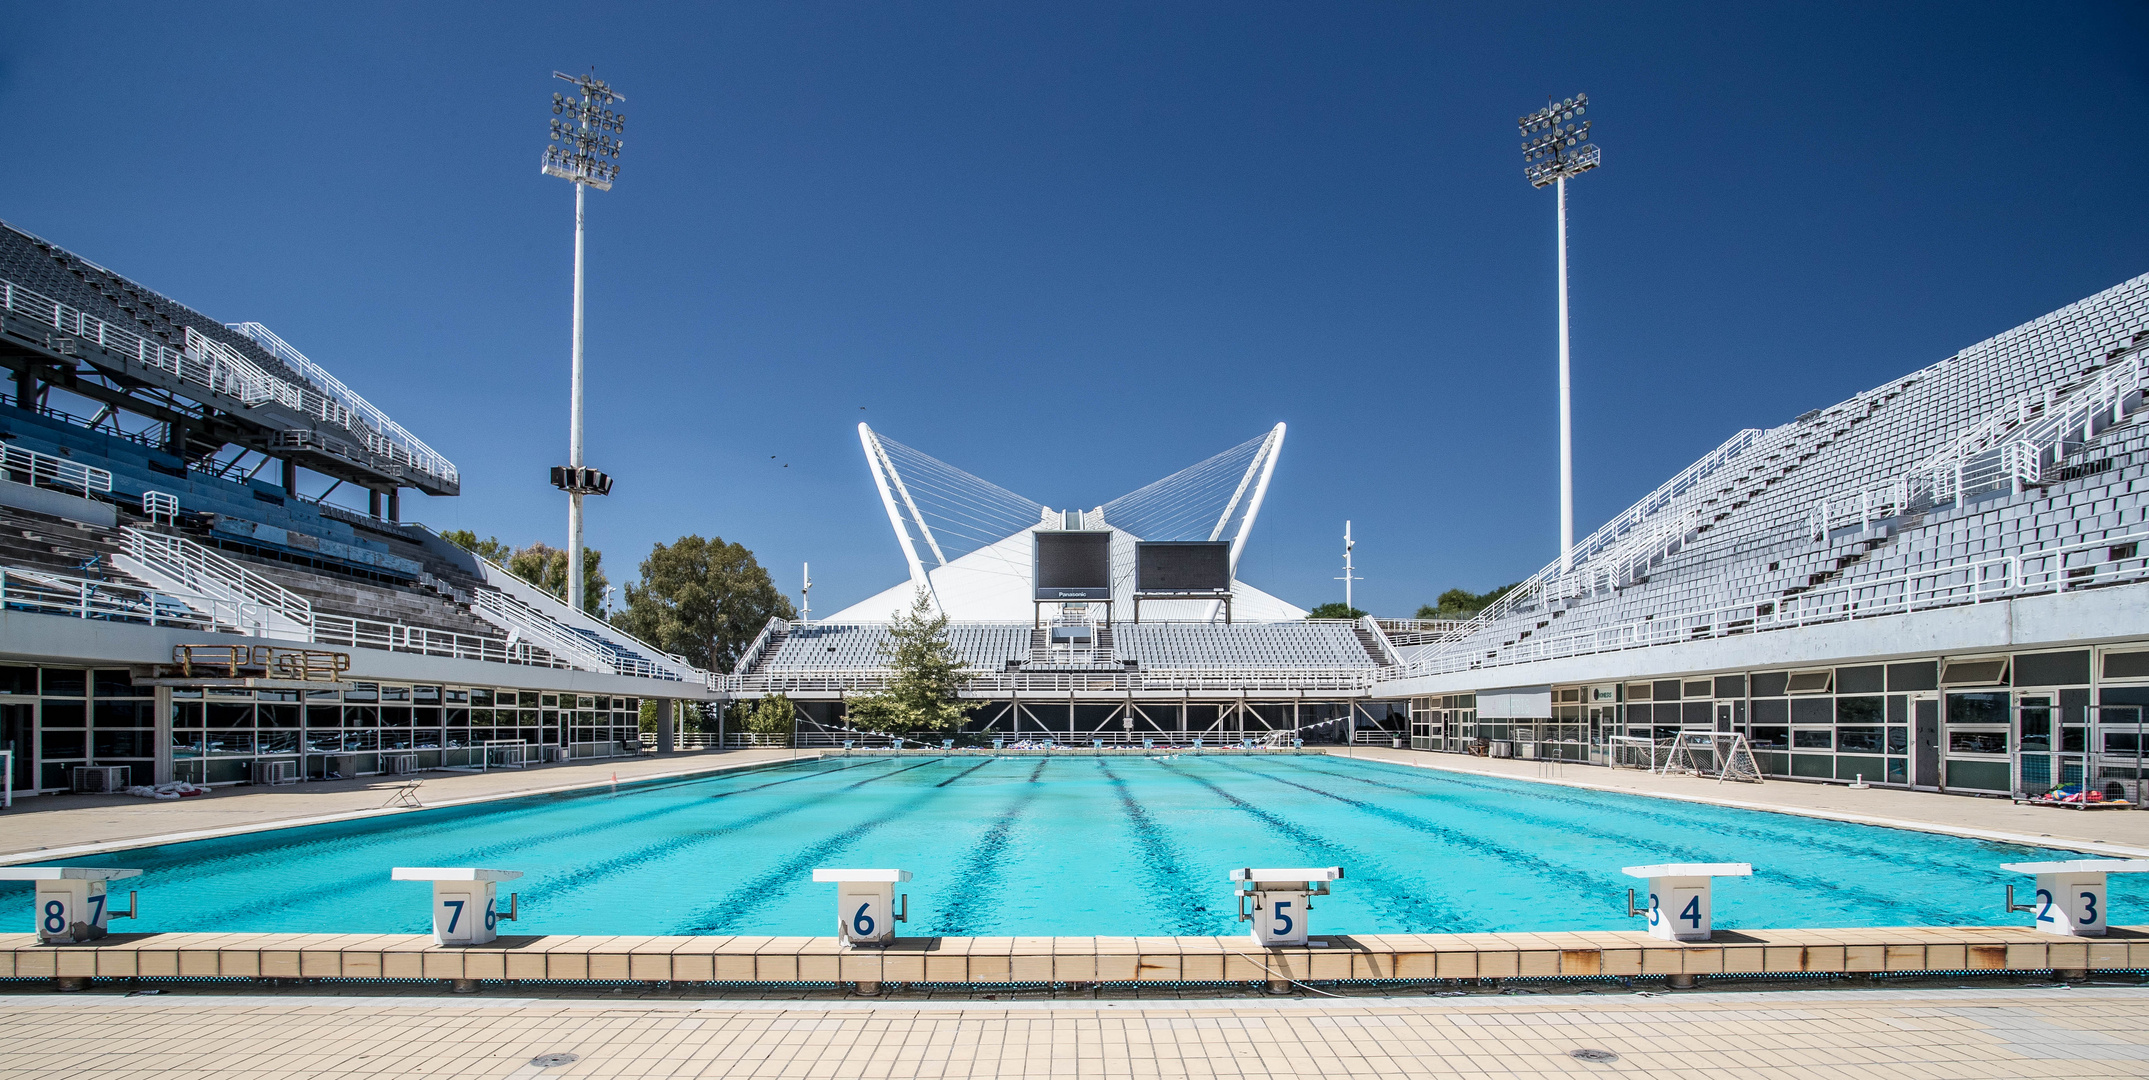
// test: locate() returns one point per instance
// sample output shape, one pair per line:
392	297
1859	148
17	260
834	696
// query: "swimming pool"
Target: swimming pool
1074	846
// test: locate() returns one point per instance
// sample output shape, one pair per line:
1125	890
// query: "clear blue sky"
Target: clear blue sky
1074	247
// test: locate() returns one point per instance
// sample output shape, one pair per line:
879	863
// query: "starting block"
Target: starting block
71	900
1280	900
866	912
463	898
1679	900
2070	895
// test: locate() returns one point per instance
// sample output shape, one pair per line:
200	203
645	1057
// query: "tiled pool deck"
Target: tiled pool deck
992	961
2021	1033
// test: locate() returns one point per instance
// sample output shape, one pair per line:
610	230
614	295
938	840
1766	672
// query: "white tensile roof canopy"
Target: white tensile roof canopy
967	540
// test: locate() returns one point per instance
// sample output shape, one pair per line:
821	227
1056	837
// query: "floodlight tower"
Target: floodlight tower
1555	146
1348	577
585	150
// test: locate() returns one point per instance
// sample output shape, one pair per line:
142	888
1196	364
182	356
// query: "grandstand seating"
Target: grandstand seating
1159	646
1743	536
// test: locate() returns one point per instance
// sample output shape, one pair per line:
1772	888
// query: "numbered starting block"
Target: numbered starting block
866	911
1679	907
2070	895
1280	900
71	900
463	901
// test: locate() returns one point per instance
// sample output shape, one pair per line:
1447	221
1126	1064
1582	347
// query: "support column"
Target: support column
290	478
26	387
395	506
162	771
373	504
664	726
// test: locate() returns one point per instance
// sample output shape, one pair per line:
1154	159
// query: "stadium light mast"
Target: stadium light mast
1348	577
1555	146
585	150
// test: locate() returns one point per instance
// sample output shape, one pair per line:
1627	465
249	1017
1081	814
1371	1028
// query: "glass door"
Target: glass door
18	733
1925	741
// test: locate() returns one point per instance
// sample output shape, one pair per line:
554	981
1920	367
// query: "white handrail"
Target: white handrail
505	612
215	366
1965	581
54	471
58	594
204	570
414	449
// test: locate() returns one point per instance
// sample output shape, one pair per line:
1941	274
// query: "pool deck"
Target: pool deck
1933	1033
45	827
2119	833
998	961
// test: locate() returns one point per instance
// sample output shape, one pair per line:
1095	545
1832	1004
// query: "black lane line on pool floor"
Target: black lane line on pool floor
399	829
1583	885
1744	821
977	883
1407	909
770	888
815	775
1171	884
478	856
1775	875
965	772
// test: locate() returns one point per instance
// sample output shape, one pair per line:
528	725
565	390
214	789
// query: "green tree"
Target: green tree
705	600
490	549
545	566
772	715
927	673
1462	603
540	564
1335	611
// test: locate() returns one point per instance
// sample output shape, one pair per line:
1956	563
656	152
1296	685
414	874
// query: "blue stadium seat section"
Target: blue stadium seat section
243	511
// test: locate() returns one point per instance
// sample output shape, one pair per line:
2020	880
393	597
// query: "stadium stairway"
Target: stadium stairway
39	542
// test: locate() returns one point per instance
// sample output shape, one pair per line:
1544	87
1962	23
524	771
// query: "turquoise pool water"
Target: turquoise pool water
1075	846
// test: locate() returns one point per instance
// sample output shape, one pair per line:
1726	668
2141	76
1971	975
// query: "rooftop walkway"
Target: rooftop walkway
52	826
2103	832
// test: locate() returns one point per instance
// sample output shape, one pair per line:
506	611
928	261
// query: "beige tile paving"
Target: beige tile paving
2123	832
2004	1032
43	826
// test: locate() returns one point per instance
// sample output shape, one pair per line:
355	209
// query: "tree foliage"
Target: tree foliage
1335	611
772	715
927	673
705	600
540	564
1462	603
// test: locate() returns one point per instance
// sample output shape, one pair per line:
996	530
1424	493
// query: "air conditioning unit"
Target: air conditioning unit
101	779
399	764
275	773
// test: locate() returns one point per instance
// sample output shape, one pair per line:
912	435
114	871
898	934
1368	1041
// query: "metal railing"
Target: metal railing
204	571
2008	448
27	466
217	367
398	443
56	594
1968	581
398	637
509	614
1004	683
619	650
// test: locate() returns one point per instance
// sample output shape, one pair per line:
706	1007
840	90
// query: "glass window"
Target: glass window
550	701
1860	710
2036	726
482	696
64	714
395	693
425	695
64	682
64	744
126	714
1898	740
397	716
1977	742
18	680
1979	708
1813	740
226	715
186	714
124	744
1862	740
277	716
458	696
364	691
117	682
328	717
1774	738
